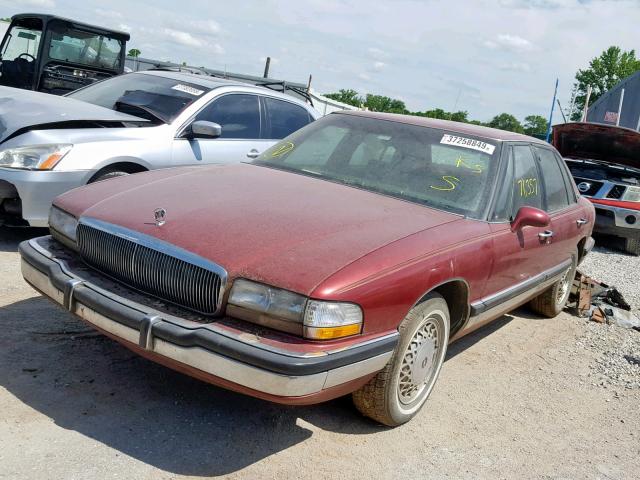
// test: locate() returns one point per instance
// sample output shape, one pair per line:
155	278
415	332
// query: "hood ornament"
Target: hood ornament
160	215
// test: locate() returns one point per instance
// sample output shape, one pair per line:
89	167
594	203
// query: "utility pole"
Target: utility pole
267	64
553	104
586	104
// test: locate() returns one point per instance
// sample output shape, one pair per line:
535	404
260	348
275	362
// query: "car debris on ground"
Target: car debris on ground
601	303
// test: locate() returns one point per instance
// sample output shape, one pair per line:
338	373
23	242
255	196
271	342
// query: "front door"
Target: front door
525	253
241	121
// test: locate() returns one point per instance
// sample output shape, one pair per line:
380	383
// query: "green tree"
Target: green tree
604	72
535	125
380	103
134	52
5	19
460	116
348	96
506	121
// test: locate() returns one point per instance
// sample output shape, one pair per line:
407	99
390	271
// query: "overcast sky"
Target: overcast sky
483	56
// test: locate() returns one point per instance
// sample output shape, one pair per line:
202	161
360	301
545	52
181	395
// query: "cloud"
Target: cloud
34	3
364	76
108	13
194	27
378	66
377	53
506	41
516	67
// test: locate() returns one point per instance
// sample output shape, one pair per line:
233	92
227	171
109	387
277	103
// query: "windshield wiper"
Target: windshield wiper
146	112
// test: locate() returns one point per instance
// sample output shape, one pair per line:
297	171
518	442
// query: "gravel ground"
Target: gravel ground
523	397
616	269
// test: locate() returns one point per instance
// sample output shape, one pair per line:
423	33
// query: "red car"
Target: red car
342	260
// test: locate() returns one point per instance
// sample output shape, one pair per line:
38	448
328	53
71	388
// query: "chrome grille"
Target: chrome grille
594	186
151	267
616	192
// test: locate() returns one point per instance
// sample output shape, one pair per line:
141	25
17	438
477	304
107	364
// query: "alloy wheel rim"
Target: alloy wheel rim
564	287
420	361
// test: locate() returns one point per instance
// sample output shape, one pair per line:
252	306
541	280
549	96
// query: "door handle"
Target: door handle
546	235
253	153
582	221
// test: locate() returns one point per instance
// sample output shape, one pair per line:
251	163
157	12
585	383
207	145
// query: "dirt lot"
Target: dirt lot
523	398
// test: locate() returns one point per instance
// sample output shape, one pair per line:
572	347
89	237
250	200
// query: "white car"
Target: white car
128	124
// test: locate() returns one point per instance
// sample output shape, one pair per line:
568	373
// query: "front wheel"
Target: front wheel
396	394
552	301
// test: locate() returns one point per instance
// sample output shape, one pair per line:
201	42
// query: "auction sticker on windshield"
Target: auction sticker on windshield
468	143
187	89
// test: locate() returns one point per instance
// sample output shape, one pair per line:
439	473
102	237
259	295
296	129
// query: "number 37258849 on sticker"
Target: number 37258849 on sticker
468	143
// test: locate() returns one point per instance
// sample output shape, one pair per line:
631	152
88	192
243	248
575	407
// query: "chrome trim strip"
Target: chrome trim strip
496	299
165	248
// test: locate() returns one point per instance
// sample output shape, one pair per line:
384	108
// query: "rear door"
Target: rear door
560	203
240	116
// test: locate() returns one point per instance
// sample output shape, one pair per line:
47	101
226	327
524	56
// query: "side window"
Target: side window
504	200
569	183
555	189
284	117
237	114
527	188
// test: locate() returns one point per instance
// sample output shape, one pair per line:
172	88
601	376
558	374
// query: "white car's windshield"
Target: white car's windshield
142	95
438	168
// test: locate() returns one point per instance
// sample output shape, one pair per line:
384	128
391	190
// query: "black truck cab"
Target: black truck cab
57	55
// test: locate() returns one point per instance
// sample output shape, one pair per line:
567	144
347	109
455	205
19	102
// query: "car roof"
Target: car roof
214	82
458	127
96	28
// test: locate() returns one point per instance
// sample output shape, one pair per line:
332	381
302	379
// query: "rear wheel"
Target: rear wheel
398	392
551	302
632	245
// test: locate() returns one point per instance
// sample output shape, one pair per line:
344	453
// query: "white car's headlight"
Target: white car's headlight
292	312
64	224
631	194
35	157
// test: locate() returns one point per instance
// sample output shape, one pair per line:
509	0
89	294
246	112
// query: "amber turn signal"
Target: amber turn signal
329	333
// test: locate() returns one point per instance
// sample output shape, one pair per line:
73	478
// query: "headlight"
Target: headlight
36	157
631	194
63	224
292	312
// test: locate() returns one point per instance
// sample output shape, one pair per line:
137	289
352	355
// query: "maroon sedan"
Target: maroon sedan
342	260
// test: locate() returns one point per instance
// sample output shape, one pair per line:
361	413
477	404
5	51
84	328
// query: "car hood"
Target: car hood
593	141
272	226
24	110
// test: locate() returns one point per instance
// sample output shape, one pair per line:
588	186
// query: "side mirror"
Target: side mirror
531	216
202	129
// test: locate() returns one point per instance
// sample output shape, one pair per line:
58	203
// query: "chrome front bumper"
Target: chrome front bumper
37	189
247	362
617	221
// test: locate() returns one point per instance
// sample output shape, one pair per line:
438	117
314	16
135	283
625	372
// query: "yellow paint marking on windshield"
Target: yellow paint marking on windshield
528	187
282	149
450	180
476	168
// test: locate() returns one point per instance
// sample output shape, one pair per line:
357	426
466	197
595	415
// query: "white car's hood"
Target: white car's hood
24	110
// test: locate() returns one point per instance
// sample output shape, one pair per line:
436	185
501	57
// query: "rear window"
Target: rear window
142	95
284	118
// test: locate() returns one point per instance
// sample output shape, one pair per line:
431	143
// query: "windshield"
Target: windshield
437	168
140	95
22	42
85	48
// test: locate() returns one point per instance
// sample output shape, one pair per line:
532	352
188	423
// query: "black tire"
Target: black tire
632	245
107	174
393	396
552	301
